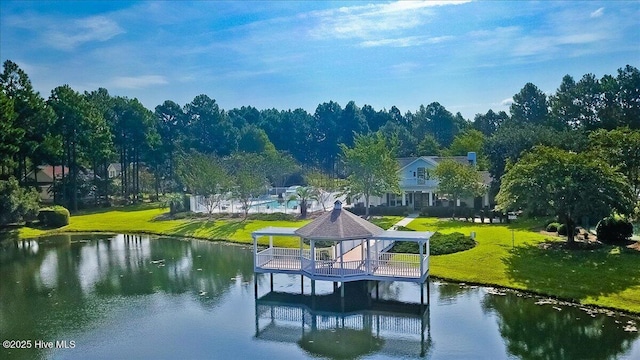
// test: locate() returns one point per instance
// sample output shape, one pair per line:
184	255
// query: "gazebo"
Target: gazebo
339	246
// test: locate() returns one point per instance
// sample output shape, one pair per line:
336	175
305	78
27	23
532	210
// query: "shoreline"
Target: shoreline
531	293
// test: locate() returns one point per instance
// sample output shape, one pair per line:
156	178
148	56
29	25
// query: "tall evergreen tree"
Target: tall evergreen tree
35	119
530	106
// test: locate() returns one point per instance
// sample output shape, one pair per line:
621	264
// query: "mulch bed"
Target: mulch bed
583	241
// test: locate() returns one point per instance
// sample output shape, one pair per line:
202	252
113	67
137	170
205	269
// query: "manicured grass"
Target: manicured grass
141	219
608	277
385	222
605	277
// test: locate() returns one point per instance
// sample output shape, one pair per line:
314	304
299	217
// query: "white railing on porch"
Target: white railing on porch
386	264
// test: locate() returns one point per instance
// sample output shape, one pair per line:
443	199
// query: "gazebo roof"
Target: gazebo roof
339	224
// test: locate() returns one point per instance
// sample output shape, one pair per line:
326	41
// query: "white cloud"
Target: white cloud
138	82
506	102
405	68
374	23
405	41
597	13
78	32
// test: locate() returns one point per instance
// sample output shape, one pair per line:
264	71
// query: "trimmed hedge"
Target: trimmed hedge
56	216
381	210
439	211
439	244
613	228
272	217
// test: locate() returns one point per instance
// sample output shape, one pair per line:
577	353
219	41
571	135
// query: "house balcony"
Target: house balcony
416	184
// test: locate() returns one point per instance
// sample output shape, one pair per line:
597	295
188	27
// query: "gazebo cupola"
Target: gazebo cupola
338	225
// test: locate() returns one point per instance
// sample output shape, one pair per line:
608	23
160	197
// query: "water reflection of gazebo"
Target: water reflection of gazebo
341	247
318	325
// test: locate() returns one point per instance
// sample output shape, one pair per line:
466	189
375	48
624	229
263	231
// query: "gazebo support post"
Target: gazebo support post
313	257
420	246
313	287
302	284
301	256
368	258
271	282
377	290
255	286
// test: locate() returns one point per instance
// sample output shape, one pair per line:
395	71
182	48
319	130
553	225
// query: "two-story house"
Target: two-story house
45	177
418	186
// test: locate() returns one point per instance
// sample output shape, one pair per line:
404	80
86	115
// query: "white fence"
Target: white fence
386	264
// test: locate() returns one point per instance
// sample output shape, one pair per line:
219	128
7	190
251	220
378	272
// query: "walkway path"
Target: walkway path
406	221
356	253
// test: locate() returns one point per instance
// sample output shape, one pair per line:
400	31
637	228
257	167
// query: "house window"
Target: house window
421	175
112	174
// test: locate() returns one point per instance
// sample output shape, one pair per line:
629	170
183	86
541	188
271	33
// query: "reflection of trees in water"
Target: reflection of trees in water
449	292
59	286
541	332
34	305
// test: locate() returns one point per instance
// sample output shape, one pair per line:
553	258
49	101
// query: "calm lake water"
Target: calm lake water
129	297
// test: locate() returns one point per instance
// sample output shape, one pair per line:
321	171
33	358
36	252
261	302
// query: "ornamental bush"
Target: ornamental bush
380	210
278	216
17	204
439	244
562	230
614	228
553	227
56	216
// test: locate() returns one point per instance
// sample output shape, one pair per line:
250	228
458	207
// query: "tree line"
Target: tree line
85	132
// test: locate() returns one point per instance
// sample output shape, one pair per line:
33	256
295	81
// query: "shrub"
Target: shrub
553	227
438	211
439	244
56	216
403	228
16	203
272	217
562	230
381	210
614	228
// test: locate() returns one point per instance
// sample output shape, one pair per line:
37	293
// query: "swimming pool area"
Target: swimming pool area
275	204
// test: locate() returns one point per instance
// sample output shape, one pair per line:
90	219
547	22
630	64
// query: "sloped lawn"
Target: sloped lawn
143	219
608	276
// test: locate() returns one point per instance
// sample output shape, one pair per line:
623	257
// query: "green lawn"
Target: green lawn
605	277
140	219
608	277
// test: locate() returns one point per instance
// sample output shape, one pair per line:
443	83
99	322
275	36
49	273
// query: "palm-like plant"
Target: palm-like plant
175	203
304	194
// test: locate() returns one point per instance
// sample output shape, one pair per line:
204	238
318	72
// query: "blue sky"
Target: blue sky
469	56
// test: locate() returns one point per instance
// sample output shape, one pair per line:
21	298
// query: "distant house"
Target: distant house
44	177
114	170
418	186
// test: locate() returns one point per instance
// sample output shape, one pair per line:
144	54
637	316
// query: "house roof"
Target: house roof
116	166
339	224
404	162
48	170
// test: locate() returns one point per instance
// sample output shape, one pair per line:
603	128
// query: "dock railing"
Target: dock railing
384	264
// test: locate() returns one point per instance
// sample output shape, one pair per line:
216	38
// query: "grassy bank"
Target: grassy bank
142	219
607	277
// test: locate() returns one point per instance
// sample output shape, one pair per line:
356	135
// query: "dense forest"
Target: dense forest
85	132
